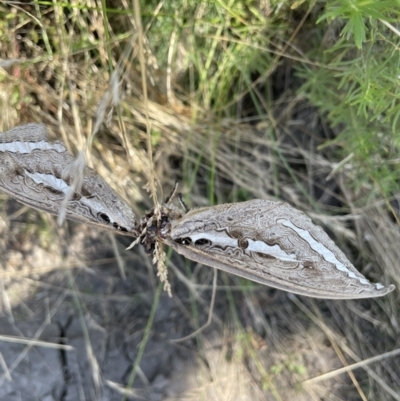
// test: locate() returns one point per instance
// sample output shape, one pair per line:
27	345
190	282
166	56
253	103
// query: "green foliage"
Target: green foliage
359	90
226	45
221	45
357	13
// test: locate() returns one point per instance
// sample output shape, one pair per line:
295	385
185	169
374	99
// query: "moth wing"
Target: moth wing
38	173
273	244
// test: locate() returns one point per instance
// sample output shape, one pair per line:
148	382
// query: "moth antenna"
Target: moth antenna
183	204
172	194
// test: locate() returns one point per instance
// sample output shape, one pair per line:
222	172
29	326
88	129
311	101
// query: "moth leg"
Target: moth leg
183	204
172	194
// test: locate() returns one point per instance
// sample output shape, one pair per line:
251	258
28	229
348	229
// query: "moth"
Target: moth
267	242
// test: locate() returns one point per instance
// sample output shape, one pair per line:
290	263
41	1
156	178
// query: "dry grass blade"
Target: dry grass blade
36	343
353	366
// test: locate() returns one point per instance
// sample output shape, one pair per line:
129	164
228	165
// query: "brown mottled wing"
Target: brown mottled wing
273	244
35	172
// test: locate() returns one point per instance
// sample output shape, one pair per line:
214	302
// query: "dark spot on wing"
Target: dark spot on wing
184	241
105	218
120	228
243	243
202	241
107	221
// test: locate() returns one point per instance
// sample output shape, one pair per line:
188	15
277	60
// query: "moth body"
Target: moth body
268	242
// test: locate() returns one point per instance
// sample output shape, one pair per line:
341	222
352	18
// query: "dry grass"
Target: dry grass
54	283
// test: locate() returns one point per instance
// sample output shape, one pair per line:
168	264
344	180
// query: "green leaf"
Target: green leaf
359	29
